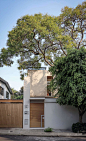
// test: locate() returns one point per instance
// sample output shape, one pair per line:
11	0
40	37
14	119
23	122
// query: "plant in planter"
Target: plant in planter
48	129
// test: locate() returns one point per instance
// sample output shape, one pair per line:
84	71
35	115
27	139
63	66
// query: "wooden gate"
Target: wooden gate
36	110
11	113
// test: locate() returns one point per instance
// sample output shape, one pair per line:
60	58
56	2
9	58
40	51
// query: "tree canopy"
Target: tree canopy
17	94
69	77
40	38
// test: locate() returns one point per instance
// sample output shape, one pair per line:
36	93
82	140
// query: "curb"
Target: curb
47	135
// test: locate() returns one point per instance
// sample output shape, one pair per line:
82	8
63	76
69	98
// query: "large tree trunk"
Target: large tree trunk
80	116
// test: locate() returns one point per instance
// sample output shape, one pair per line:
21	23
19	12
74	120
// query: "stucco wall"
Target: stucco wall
5	89
60	117
38	82
26	104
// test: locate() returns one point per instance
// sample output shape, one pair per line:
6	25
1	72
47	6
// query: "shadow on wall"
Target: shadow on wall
38	83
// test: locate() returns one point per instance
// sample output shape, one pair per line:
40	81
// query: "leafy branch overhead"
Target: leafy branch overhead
40	38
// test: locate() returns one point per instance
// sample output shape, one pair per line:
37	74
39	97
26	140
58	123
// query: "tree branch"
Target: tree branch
62	48
81	36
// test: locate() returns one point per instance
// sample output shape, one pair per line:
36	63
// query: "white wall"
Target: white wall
26	103
5	89
60	117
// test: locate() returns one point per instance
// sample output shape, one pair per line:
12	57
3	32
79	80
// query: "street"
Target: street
33	138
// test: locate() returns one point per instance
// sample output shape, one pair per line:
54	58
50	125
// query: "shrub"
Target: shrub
48	129
79	127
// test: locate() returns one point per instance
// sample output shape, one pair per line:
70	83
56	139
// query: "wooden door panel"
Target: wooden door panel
11	115
36	110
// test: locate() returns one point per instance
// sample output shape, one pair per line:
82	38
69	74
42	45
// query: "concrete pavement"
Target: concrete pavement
40	132
35	138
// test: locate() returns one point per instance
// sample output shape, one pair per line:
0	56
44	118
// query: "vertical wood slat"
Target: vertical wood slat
36	110
11	115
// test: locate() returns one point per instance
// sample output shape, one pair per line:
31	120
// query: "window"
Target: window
1	91
7	95
49	78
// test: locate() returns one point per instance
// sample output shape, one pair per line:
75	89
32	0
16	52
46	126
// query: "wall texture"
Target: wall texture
60	117
38	82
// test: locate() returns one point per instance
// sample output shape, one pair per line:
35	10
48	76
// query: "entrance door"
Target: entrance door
36	110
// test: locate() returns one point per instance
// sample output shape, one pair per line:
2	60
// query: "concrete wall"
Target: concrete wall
35	84
60	117
5	89
38	82
26	103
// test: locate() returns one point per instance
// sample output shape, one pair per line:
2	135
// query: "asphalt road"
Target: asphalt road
32	138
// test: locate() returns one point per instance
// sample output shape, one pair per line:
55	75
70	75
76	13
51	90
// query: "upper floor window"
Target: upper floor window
49	78
7	95
1	91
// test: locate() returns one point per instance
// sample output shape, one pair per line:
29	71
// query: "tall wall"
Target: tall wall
60	117
38	82
26	103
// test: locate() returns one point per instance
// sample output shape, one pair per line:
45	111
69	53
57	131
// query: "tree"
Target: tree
69	77
40	38
17	94
21	91
19	97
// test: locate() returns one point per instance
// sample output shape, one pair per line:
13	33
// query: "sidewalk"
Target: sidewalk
39	132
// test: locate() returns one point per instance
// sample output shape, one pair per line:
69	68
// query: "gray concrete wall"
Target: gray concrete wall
26	103
60	117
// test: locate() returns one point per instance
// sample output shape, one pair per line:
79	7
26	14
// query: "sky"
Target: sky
10	12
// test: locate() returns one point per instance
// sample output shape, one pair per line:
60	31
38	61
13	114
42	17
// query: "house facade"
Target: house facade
5	90
40	109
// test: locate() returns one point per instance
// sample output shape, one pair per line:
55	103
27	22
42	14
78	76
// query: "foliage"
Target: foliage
17	94
40	38
21	91
48	129
19	97
14	91
69	75
79	127
72	20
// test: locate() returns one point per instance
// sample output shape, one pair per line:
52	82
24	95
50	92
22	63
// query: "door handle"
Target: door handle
8	114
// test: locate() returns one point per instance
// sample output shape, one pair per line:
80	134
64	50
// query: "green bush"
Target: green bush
48	129
79	127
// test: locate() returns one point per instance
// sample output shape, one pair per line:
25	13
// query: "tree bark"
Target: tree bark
80	116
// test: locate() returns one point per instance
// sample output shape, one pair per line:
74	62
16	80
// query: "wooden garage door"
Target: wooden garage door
36	110
11	115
